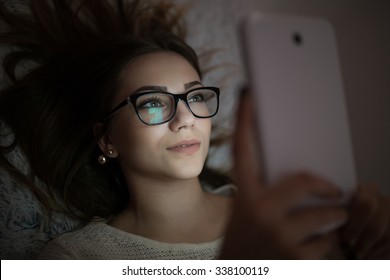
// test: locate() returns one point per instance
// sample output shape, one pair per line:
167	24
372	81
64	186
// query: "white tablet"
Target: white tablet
294	75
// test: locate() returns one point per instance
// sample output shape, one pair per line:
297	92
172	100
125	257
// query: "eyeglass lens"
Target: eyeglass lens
155	108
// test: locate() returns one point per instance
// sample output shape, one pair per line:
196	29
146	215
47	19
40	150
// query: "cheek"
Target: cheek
127	133
205	128
134	140
140	146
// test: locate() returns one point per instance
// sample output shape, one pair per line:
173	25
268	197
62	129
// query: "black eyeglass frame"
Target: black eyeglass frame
132	99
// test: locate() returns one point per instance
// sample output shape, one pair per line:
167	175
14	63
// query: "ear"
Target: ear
105	142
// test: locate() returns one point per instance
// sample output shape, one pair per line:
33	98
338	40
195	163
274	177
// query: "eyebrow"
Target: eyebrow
164	88
191	84
149	88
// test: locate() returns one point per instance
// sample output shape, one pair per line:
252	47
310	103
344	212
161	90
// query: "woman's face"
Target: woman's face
173	150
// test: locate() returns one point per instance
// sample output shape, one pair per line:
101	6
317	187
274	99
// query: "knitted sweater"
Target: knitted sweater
99	240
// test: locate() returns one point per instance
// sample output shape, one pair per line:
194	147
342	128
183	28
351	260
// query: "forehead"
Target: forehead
165	69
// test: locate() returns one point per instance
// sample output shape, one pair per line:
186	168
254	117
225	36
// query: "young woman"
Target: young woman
116	123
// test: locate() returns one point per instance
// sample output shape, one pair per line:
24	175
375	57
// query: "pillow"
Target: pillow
23	227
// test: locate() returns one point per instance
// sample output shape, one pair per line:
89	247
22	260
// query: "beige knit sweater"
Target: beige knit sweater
99	240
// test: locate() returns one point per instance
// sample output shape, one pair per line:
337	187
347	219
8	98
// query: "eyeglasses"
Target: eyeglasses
158	107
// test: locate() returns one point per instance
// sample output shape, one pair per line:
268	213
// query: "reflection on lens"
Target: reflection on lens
155	108
155	115
203	103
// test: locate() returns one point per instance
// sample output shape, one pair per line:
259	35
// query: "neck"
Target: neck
165	210
165	199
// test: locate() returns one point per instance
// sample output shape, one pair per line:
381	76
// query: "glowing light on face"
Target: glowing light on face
143	149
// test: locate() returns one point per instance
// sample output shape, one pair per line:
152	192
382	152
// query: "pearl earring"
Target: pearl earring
102	159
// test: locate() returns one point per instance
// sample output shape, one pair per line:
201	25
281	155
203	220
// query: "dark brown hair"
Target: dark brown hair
79	49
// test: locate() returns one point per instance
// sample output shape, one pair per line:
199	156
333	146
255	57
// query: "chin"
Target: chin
187	172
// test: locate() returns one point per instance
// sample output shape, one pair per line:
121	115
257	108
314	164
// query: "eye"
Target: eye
153	102
198	97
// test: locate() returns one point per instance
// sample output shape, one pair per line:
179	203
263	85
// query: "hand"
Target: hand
266	222
368	227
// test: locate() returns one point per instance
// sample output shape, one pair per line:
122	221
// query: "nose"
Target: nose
183	117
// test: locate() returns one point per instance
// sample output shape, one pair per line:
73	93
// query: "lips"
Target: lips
186	146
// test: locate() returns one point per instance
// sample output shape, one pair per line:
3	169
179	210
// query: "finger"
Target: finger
245	155
296	190
362	209
381	250
318	248
376	227
304	224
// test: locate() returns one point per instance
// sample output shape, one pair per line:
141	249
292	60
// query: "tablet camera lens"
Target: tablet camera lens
297	38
